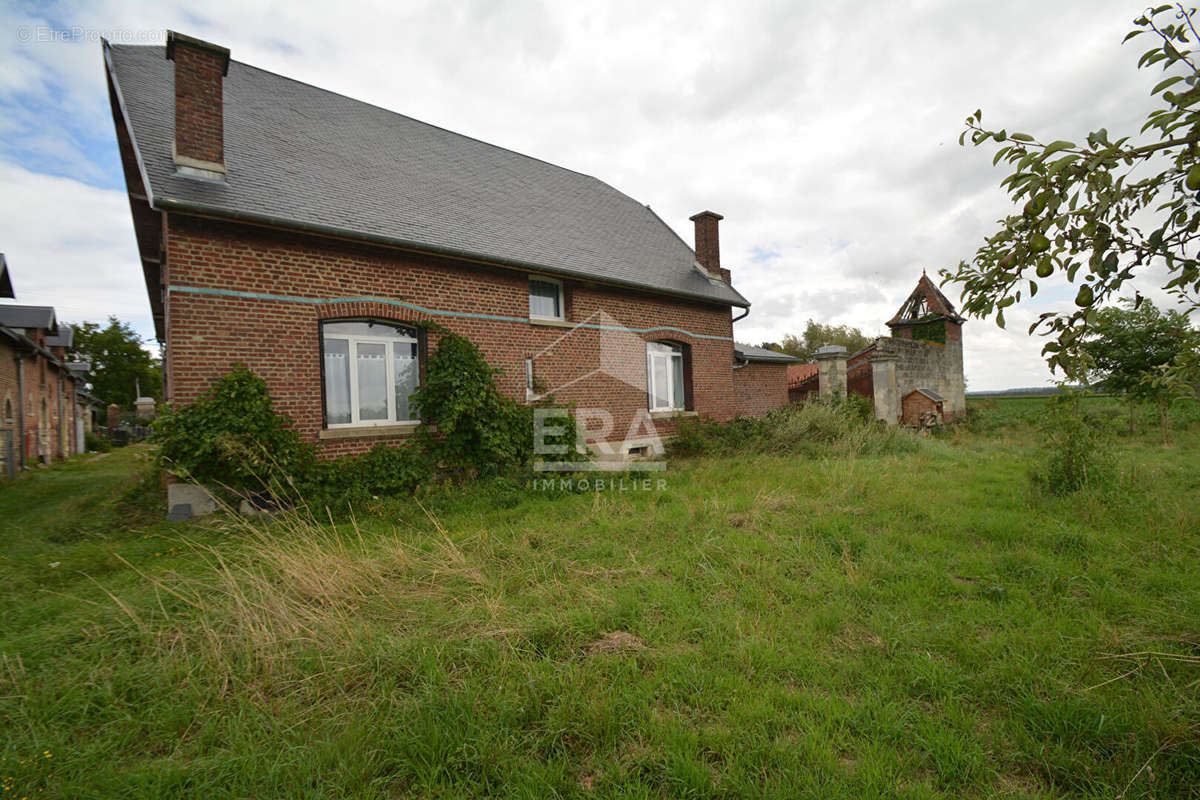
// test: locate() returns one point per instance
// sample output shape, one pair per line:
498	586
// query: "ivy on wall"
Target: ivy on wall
932	331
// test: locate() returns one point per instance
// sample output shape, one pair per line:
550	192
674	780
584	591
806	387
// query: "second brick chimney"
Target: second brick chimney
708	244
200	70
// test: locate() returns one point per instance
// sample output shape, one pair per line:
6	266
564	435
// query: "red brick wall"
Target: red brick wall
41	379
8	392
278	339
760	387
199	103
859	381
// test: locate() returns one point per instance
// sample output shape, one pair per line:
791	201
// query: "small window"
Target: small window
665	376
8	412
545	299
371	372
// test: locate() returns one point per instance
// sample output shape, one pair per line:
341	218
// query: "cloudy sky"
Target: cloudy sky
825	133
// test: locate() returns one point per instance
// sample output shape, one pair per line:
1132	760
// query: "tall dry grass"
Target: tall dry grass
293	587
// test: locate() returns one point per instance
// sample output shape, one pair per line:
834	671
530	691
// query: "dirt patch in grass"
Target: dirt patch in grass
616	642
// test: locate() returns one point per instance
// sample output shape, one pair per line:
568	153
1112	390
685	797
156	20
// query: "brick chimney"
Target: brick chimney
708	245
200	70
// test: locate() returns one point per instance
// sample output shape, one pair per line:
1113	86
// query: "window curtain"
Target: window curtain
337	382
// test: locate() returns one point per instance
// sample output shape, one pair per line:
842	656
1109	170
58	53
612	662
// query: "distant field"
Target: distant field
1017	410
920	625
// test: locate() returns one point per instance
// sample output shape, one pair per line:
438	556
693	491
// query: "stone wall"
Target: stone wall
929	365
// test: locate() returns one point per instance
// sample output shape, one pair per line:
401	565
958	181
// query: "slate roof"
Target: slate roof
64	338
12	316
930	393
305	157
748	352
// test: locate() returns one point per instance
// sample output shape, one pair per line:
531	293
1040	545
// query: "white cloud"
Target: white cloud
71	246
826	134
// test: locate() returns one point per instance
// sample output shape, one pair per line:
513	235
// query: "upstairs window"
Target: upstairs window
665	372
545	299
371	371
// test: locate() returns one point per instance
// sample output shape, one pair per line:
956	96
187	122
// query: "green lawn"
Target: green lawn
912	626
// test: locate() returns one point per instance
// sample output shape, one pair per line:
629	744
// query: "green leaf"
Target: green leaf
1000	318
1021	137
1165	83
1130	35
1054	168
1055	147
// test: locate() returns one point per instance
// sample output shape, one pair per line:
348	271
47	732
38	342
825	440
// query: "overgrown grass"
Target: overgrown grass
811	430
913	624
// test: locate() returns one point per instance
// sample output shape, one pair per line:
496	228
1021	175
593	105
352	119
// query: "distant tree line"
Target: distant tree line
816	335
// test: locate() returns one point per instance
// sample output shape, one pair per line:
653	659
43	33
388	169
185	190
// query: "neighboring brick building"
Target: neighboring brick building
303	233
38	403
760	379
923	356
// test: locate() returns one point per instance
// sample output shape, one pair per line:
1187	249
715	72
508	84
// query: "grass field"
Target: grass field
920	625
1022	410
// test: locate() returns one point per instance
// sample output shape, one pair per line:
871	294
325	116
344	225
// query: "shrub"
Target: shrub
383	471
1075	453
96	443
232	437
476	430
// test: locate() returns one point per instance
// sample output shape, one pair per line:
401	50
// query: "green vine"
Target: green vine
932	331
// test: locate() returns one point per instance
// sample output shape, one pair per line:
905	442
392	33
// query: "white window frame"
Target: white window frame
651	355
390	358
562	300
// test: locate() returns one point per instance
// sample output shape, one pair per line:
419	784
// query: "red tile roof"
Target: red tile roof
798	373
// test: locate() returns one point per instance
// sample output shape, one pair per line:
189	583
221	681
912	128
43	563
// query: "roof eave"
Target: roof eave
147	186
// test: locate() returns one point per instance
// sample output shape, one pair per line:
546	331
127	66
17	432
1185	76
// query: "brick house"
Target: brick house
304	233
40	413
916	371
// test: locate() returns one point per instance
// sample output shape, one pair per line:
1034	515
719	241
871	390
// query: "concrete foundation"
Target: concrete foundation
195	495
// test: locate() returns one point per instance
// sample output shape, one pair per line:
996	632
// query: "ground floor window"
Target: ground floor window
371	371
665	376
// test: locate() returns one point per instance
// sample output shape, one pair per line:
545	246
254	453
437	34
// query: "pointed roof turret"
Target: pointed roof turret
925	304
